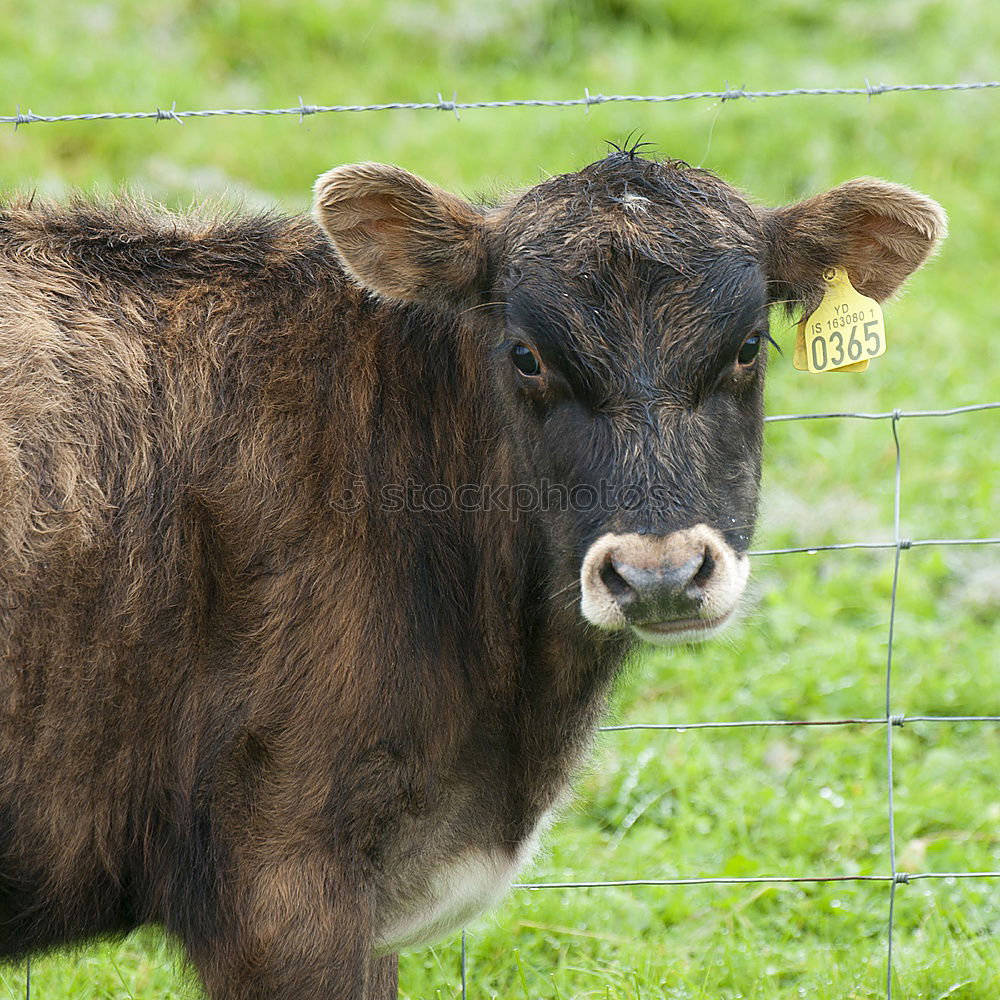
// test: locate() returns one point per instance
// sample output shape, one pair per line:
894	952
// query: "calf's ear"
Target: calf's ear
880	233
401	237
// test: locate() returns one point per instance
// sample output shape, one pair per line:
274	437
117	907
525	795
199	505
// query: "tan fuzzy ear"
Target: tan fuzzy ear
880	233
401	237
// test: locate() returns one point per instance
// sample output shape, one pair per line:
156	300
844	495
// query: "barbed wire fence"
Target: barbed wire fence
891	719
454	106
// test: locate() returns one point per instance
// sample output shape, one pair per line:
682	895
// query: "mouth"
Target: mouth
685	630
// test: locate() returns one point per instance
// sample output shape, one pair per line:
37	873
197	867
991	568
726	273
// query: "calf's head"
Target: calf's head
629	311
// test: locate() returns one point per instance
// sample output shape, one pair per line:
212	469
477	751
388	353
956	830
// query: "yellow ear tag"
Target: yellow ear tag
844	332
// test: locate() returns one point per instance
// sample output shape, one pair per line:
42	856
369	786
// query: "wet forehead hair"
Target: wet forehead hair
635	266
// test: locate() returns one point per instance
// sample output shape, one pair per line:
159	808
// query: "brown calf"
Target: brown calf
321	542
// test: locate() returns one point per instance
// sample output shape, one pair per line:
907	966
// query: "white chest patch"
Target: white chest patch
453	894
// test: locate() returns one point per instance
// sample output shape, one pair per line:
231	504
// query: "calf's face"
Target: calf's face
629	305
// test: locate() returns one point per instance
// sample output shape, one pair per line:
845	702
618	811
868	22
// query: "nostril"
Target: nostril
616	585
704	573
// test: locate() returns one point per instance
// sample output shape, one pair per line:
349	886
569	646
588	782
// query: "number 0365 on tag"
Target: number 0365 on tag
844	332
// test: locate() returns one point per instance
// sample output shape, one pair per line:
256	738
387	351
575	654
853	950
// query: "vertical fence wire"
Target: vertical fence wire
888	702
464	966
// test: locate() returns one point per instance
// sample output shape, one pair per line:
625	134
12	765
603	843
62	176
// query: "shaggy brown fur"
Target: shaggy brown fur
239	698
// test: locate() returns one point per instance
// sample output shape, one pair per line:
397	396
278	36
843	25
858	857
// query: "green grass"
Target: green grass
660	804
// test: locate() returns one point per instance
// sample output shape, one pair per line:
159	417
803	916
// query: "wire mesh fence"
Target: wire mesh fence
892	718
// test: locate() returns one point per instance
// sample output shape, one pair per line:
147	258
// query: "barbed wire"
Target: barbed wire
454	106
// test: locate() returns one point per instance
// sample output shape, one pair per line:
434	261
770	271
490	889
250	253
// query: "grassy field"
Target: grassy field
796	801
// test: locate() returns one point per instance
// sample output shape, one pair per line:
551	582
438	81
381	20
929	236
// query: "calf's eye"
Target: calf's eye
750	349
526	360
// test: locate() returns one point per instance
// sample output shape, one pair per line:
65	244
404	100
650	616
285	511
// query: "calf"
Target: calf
322	541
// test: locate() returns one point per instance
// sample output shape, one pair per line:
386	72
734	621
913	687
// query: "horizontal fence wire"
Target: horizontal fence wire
891	720
904	543
895	720
899	878
454	106
887	415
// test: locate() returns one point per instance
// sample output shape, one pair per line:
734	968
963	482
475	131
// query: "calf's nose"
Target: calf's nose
666	590
666	587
